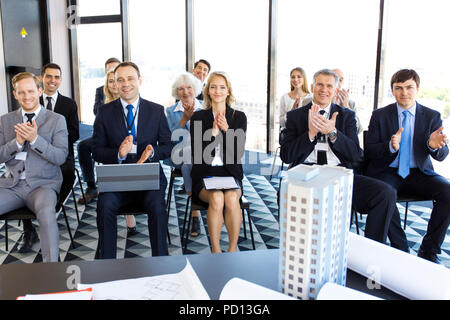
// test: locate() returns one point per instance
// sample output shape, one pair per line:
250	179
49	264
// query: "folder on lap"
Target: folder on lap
220	183
128	177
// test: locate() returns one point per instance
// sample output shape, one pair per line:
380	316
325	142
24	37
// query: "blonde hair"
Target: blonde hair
25	75
207	99
109	96
305	82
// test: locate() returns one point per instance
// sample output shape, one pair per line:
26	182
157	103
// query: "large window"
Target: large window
329	34
158	45
87	8
96	43
232	35
416	40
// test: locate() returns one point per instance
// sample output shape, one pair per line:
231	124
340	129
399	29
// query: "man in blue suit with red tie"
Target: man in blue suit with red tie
401	138
123	130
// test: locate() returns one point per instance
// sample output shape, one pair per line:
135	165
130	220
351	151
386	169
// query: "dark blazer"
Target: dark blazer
202	121
99	99
384	124
110	130
296	146
67	107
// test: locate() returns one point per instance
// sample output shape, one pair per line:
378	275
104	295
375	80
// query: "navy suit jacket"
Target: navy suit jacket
110	131
384	124
99	98
296	146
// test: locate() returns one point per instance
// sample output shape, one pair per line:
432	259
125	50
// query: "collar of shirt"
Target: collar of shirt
179	107
134	104
412	110
54	97
36	113
327	111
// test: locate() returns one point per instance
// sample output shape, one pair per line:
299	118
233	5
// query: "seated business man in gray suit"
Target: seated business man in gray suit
33	146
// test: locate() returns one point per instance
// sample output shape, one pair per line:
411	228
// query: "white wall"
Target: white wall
59	40
3	93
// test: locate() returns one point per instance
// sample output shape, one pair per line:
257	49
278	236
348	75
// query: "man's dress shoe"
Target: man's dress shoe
430	256
27	240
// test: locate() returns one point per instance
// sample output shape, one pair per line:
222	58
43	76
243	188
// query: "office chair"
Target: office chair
245	206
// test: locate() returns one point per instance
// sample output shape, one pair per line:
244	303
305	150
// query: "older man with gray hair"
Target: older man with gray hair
325	133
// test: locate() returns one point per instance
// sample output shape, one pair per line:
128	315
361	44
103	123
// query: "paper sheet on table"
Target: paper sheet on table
220	183
333	291
238	289
401	272
69	295
184	285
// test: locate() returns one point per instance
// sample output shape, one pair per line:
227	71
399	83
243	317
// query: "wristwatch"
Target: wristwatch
332	134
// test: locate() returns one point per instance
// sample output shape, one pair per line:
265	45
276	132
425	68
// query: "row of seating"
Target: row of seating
24	213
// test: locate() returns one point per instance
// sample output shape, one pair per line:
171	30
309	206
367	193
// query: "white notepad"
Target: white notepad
220	183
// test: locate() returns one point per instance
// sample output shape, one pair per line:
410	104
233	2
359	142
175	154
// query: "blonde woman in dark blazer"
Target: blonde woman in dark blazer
218	144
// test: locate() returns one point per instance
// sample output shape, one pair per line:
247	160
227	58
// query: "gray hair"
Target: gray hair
186	79
326	72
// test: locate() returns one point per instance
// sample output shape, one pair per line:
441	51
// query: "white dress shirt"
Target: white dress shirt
54	98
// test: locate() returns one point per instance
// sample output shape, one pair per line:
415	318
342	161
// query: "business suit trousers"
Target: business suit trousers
435	187
153	202
42	201
376	199
85	158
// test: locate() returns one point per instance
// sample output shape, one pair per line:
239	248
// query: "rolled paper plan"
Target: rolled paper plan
404	273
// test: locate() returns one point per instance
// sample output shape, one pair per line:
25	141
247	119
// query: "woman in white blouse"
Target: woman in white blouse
298	96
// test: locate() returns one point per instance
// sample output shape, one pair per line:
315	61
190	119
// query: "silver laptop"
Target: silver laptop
127	177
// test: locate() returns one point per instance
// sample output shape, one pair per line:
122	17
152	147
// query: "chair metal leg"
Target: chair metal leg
251	229
68	226
185	217
243	224
187	231
81	186
6	235
76	206
406	215
273	164
355	215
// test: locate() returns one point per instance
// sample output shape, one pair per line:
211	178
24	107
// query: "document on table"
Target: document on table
184	285
404	273
333	291
214	183
238	289
69	295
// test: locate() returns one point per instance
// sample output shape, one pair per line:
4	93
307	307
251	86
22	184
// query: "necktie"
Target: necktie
321	136
321	154
30	117
130	122
405	146
49	104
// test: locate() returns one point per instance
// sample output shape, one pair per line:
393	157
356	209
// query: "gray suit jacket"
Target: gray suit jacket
44	158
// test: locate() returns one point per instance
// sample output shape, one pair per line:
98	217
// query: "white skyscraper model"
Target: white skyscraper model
315	210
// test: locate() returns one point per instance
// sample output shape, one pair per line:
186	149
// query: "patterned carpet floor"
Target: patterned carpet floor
259	191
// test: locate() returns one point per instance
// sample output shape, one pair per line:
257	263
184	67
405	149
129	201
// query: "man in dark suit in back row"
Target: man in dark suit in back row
51	99
401	138
325	133
123	130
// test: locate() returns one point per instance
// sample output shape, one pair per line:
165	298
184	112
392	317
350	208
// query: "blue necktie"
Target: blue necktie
405	147
130	118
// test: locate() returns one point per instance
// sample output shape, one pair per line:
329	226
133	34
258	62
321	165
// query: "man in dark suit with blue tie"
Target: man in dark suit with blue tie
401	138
325	133
123	129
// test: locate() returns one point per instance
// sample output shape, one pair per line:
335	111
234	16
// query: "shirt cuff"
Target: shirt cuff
32	143
391	148
119	159
19	146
